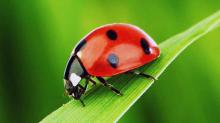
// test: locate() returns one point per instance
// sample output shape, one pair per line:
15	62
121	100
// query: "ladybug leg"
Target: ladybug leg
142	74
105	83
86	85
92	81
83	104
83	89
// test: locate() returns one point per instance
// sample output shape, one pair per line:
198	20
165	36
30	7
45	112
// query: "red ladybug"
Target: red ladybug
107	51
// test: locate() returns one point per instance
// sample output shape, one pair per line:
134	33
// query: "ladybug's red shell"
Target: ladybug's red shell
116	48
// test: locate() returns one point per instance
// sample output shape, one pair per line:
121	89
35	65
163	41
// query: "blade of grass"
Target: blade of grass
104	106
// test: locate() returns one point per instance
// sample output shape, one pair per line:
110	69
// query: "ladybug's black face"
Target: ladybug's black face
75	91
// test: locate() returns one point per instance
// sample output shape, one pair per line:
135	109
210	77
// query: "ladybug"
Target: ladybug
108	50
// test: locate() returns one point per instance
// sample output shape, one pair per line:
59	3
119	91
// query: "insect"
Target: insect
108	50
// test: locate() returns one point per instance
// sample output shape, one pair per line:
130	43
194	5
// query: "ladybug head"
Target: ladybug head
75	91
73	74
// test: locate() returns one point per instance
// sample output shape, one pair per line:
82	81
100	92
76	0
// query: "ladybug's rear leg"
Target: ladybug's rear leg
105	83
142	74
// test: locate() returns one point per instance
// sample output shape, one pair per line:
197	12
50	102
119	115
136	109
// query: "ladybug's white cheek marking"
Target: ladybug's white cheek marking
74	79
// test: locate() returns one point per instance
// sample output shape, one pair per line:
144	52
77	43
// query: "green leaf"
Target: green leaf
104	106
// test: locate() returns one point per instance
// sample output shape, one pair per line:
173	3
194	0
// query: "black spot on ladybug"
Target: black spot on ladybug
111	34
113	60
80	45
145	46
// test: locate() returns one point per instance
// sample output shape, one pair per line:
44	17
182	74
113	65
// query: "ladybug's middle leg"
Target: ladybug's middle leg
142	74
105	83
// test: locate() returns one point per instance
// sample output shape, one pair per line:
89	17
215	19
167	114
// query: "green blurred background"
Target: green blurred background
37	36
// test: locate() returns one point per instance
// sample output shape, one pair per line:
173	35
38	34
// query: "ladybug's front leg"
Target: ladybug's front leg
105	83
92	81
83	89
142	74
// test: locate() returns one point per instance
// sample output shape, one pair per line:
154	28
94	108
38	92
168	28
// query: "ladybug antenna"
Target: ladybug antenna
83	104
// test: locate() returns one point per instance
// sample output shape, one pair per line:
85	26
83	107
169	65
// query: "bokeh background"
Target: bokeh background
37	36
